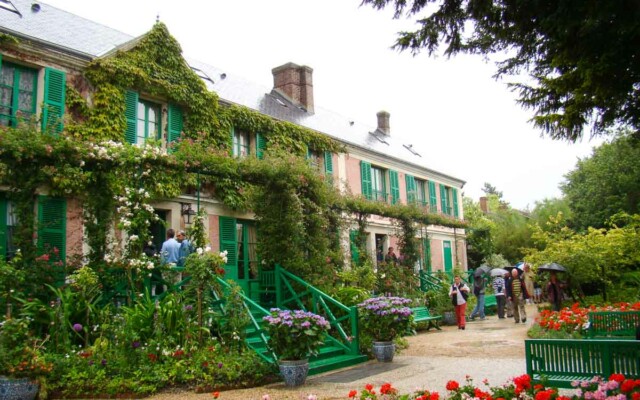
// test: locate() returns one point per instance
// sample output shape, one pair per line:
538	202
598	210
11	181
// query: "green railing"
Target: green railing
252	309
336	313
428	281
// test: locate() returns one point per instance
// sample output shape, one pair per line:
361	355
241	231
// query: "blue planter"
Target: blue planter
18	389
294	372
384	351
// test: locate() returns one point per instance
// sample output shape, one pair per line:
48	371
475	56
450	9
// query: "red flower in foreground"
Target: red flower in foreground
215	395
452	385
635	396
369	387
387	389
353	393
544	394
627	385
617	377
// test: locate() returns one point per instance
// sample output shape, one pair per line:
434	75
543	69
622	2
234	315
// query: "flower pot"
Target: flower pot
18	389
294	372
384	351
449	318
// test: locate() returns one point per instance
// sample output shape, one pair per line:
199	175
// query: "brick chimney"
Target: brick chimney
296	83
484	205
383	122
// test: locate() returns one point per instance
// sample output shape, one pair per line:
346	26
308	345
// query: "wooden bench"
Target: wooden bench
422	314
613	324
557	363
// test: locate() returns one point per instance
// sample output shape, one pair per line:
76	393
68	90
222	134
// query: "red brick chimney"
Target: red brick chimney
484	205
383	122
295	82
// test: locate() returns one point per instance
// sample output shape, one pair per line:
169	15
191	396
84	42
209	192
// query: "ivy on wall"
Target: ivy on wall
297	209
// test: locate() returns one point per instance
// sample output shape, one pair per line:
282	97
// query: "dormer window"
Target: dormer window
149	118
18	93
241	144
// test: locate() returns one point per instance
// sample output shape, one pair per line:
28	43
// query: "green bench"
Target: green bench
422	314
558	362
613	324
490	304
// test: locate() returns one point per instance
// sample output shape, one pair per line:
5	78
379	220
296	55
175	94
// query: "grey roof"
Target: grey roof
66	31
237	90
60	28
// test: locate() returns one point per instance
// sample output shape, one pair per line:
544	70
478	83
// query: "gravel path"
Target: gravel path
491	349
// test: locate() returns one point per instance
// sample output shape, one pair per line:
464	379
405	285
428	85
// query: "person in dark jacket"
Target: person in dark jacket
478	291
517	293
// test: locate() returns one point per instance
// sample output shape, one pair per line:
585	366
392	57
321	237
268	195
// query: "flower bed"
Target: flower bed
573	319
617	387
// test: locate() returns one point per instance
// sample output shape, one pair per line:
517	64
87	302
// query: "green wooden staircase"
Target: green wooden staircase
287	291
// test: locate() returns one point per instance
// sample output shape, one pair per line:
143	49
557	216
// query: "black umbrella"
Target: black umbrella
552	267
481	270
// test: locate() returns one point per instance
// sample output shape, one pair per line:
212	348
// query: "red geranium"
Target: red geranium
453	385
353	393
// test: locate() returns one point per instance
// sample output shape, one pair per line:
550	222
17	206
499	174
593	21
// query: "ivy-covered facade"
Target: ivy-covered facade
106	137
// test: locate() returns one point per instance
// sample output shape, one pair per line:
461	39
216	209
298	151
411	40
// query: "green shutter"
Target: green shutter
3	226
443	199
232	134
261	145
411	188
229	241
54	92
328	163
395	186
174	122
52	232
433	199
365	177
454	194
131	114
355	251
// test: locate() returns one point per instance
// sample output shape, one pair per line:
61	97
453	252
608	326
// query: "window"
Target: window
445	202
241	141
148	126
420	192
18	93
315	158
378	184
433	199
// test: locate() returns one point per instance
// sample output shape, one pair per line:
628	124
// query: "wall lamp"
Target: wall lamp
187	212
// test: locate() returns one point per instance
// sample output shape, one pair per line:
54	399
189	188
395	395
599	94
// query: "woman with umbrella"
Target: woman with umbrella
554	288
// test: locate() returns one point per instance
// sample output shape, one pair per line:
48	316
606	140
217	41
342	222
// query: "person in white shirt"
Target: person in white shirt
459	292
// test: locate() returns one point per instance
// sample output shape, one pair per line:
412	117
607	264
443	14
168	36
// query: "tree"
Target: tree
490	189
581	55
478	234
605	183
547	208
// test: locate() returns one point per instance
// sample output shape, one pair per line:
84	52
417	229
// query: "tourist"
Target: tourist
478	291
508	302
459	292
554	292
391	256
529	277
537	292
185	248
517	293
170	251
499	290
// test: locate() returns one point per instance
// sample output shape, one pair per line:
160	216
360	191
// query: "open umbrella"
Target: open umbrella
481	270
552	267
498	272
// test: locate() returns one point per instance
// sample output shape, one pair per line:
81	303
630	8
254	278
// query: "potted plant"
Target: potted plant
385	318
22	363
294	335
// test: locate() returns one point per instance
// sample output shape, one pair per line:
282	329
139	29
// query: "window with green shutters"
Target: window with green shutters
411	188
365	179
53	108
261	145
394	186
144	120
433	199
52	232
8	223
175	123
18	93
454	196
425	262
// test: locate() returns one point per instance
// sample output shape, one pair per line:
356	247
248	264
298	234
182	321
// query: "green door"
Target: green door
446	254
239	239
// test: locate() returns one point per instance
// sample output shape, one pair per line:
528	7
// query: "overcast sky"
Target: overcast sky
462	121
